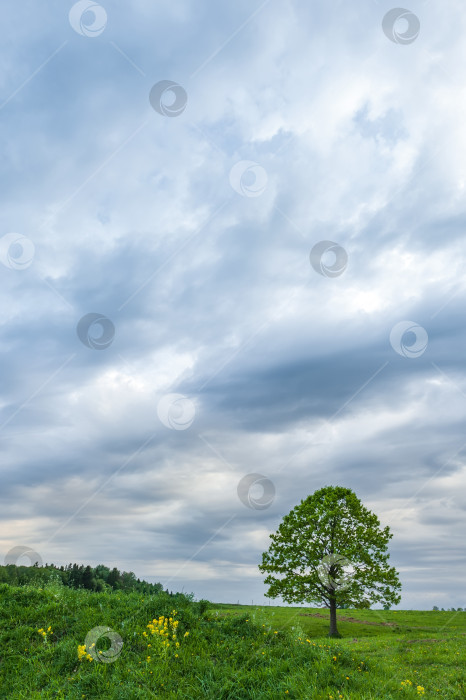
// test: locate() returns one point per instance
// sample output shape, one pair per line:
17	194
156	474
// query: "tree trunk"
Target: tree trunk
333	619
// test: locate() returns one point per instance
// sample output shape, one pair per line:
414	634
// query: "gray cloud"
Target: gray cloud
211	293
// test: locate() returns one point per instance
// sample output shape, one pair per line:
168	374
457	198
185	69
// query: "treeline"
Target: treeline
448	609
100	578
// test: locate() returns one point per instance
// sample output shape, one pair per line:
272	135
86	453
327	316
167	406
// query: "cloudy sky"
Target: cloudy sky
259	271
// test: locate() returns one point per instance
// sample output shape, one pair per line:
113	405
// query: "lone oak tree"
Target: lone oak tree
331	550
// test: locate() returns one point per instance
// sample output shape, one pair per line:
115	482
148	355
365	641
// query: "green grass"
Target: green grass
231	651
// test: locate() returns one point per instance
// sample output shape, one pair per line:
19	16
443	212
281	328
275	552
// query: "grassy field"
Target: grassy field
224	651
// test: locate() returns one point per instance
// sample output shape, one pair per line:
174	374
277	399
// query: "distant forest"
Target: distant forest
100	578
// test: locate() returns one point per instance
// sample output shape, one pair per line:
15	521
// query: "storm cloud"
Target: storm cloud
168	170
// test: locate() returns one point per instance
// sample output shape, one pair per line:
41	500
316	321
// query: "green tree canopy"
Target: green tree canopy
331	550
